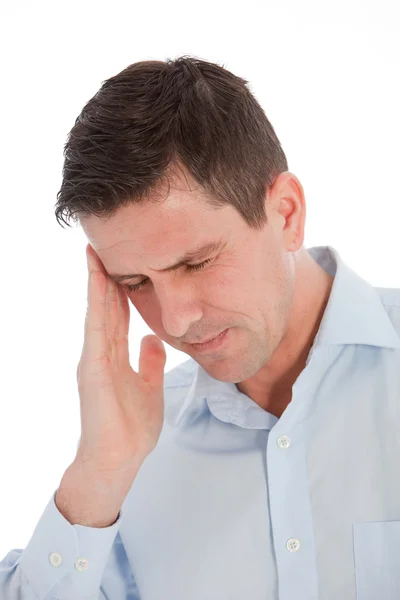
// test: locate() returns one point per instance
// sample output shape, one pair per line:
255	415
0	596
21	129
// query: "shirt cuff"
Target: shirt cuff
64	560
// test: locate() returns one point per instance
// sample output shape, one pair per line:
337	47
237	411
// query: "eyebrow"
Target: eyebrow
196	254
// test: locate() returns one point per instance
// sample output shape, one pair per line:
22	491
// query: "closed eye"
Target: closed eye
135	287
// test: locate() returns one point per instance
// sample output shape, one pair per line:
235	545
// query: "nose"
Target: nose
180	310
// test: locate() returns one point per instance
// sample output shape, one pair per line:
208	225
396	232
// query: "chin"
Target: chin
225	369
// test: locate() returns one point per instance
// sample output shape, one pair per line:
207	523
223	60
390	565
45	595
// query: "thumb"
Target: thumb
152	360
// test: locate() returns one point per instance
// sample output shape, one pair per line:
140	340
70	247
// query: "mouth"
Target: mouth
212	344
208	339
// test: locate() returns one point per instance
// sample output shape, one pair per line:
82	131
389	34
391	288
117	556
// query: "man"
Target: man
276	472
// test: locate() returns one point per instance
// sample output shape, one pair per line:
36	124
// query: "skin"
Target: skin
264	284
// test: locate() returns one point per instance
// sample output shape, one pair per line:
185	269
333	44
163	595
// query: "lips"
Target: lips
209	339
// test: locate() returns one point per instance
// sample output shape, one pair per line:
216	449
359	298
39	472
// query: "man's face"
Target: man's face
247	286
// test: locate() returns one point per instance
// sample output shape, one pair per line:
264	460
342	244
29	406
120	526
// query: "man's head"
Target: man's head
168	157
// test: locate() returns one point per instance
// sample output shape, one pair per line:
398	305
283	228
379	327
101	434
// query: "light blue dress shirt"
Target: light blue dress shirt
236	504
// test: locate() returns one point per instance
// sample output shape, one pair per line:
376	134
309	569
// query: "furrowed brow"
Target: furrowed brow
193	255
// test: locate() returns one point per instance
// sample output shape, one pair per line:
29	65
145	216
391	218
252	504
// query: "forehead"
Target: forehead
155	233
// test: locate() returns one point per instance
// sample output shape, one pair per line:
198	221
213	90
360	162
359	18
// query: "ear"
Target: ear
287	199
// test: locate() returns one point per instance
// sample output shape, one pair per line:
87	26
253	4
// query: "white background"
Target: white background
327	76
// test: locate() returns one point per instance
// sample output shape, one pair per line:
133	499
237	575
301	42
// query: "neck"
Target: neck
271	388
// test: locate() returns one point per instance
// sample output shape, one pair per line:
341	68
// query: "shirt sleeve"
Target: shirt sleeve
68	562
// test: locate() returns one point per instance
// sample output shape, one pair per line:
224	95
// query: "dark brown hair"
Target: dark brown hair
154	118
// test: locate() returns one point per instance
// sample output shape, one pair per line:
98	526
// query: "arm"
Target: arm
122	415
29	574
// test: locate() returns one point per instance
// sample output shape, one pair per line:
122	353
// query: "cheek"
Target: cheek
148	308
144	303
217	290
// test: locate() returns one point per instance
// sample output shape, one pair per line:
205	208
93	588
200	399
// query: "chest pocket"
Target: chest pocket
377	560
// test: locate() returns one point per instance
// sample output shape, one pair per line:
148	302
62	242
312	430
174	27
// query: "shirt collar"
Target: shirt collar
354	314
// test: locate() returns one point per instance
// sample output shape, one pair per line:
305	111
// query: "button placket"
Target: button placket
290	508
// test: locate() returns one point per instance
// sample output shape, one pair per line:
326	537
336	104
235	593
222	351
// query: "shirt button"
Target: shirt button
55	559
81	564
292	545
283	441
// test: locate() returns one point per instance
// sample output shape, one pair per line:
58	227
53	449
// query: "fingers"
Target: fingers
124	313
95	339
111	296
107	319
112	311
152	360
94	262
123	328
